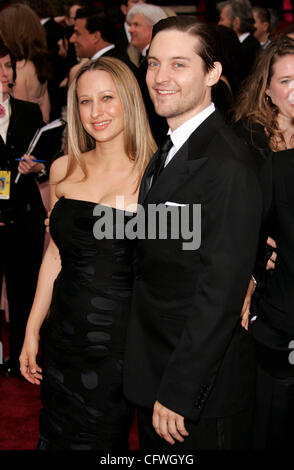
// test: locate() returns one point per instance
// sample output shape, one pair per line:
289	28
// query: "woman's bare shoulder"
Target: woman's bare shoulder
58	169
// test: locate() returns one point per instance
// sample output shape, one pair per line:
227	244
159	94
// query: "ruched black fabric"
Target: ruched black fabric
84	336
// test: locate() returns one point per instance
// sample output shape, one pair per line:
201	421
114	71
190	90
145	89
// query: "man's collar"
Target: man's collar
128	34
144	51
243	37
183	132
102	51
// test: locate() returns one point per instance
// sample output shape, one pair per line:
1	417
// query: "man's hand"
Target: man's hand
27	165
245	313
271	262
47	221
168	424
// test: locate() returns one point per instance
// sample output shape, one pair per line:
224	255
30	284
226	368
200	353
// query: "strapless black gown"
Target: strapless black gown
84	337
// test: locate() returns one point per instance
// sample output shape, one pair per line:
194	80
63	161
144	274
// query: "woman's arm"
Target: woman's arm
49	270
45	106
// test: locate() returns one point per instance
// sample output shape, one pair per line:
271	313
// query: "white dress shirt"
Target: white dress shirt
128	34
4	121
243	37
102	51
183	132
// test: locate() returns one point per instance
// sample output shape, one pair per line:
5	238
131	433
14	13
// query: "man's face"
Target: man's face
178	84
140	32
261	28
6	76
224	18
83	41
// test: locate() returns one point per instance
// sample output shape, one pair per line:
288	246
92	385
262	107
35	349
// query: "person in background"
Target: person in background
67	52
94	36
228	51
71	11
123	39
25	37
262	22
141	18
22	212
237	14
264	115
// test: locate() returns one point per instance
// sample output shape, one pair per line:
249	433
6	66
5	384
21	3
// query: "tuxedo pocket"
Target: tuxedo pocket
175	204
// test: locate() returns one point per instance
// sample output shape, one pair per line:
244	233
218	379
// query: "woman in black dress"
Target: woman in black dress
86	278
265	115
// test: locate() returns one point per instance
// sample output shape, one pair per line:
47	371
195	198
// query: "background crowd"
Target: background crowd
42	52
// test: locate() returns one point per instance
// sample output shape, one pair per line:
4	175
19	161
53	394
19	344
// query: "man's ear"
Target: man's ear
265	26
236	24
123	9
97	36
214	74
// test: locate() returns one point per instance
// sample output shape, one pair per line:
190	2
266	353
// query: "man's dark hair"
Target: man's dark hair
241	9
96	20
189	24
4	51
71	3
263	14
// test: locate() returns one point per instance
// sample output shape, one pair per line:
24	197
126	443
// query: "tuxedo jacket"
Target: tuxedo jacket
25	120
249	50
119	54
185	345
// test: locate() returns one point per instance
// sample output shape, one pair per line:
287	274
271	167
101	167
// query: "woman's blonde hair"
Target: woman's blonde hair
253	101
138	141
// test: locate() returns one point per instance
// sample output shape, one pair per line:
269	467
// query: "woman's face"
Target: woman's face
6	76
281	88
100	106
63	47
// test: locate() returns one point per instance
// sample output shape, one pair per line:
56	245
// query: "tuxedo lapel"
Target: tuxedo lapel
146	179
14	118
189	159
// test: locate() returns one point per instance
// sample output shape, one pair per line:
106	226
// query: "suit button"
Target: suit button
138	277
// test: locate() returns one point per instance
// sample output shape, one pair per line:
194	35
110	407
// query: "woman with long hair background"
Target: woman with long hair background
25	37
265	118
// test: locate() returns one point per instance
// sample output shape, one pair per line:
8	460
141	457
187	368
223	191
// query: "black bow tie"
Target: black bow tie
161	157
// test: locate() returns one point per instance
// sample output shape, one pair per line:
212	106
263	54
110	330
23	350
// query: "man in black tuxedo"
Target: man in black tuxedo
237	14
123	35
94	36
189	363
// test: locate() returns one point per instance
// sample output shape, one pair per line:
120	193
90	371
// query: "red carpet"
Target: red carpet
19	410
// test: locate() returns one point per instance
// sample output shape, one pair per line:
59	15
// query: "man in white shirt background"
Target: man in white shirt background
262	22
94	36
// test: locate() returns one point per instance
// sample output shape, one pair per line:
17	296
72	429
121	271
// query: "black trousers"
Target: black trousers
226	433
21	250
274	401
